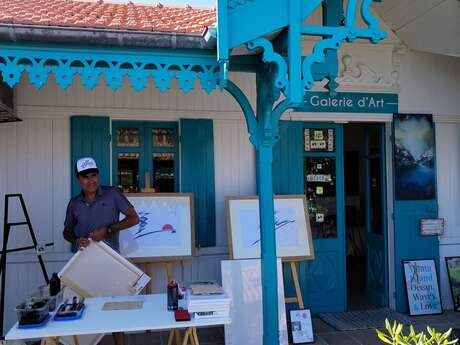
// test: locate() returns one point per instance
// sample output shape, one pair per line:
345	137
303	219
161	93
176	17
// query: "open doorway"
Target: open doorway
365	216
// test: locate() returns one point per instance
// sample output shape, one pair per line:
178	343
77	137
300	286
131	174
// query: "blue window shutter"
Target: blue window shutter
90	136
197	176
288	159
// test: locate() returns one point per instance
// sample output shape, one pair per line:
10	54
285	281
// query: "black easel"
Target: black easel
6	233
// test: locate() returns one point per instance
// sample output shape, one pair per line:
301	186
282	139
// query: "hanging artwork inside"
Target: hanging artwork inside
414	149
292	227
165	229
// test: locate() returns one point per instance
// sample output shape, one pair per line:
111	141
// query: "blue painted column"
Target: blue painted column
264	154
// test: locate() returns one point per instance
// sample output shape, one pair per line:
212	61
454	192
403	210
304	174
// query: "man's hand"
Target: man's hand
82	243
98	234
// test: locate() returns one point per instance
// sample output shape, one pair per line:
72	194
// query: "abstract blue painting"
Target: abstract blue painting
414	157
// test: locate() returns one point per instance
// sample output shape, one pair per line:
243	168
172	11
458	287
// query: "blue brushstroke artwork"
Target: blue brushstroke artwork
414	157
279	225
143	229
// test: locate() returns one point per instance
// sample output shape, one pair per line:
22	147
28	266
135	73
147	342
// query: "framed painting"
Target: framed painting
292	227
453	272
422	287
414	152
301	326
166	227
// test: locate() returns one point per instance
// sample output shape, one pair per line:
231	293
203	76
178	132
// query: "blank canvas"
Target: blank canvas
241	280
98	270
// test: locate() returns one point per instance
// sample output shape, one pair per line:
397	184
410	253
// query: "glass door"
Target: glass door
375	214
324	190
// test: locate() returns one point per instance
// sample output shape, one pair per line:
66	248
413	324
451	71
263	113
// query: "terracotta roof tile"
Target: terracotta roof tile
106	15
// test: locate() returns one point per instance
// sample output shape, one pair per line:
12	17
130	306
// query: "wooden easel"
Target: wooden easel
295	278
147	268
174	334
190	332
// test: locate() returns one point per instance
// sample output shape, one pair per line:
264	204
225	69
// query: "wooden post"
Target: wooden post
147	188
76	340
295	278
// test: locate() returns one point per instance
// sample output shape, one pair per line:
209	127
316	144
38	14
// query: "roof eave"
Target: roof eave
120	38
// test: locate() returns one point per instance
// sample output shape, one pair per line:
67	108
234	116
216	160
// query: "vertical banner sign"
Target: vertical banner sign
422	287
414	157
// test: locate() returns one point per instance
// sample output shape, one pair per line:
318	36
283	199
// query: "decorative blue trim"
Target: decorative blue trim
91	63
243	101
222	42
336	35
269	56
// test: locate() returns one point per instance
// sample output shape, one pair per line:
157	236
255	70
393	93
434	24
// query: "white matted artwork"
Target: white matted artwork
292	227
301	326
241	280
165	230
99	271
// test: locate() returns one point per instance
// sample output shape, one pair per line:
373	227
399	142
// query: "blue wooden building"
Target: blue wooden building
234	101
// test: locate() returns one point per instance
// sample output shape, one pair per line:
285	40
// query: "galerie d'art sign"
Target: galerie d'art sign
422	287
350	102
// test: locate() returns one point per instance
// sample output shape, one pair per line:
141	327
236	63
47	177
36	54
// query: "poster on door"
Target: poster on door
422	287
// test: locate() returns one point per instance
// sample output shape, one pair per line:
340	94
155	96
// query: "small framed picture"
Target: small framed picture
301	327
453	271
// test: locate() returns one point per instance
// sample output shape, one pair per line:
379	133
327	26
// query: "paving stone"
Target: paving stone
368	337
339	338
319	326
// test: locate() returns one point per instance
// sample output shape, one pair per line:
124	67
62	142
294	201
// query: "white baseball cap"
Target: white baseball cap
85	165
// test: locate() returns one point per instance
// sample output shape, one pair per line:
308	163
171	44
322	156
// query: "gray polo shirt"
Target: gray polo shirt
103	211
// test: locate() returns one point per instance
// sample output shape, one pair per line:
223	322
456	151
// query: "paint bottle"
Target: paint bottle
173	295
55	285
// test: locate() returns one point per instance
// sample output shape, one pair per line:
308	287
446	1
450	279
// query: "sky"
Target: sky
197	3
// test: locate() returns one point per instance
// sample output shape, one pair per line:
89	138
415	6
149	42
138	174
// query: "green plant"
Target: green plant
395	336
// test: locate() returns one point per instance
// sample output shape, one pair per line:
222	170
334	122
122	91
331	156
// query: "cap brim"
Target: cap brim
88	171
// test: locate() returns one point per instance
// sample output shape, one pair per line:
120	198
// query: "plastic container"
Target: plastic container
56	300
43	292
32	311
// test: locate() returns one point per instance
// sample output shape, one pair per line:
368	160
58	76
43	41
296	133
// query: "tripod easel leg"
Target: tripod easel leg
295	278
188	333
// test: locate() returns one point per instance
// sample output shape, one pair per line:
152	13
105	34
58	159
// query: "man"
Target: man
96	210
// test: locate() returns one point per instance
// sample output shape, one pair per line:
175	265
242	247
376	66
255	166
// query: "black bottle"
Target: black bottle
173	295
55	285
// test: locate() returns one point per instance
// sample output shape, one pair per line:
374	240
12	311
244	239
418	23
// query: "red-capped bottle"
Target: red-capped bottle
173	295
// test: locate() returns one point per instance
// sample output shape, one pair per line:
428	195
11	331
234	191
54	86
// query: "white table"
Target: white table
153	316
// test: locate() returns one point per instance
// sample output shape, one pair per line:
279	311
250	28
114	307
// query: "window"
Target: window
145	156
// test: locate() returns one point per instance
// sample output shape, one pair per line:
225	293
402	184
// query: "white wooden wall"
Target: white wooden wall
35	161
448	172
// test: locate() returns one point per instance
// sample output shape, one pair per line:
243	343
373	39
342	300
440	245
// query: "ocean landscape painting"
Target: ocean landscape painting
414	157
